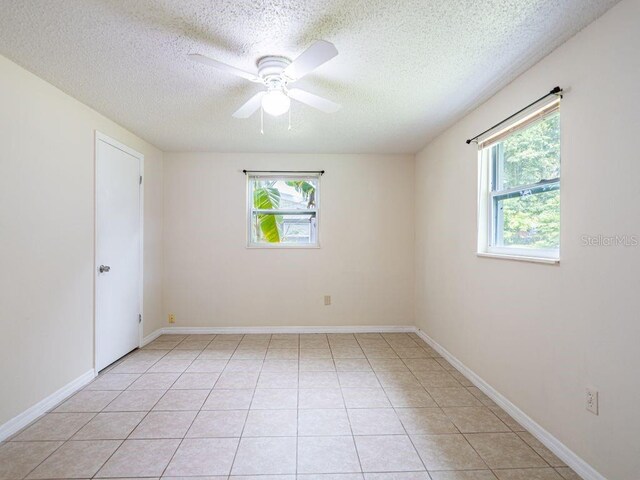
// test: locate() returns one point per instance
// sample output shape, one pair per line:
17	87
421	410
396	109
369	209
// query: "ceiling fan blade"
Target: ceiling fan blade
314	56
250	106
196	57
322	104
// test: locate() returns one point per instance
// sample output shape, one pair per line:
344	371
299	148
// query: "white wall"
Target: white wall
540	334
365	261
47	236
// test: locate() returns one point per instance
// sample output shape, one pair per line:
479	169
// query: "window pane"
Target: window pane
528	155
286	194
528	221
287	228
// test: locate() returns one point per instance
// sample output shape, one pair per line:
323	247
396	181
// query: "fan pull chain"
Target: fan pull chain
261	120
289	119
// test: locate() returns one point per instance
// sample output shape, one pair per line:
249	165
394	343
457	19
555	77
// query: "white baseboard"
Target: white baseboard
25	418
572	460
267	330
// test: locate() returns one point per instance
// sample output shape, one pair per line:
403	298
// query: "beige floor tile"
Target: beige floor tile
280	365
447	452
140	458
195	381
132	365
274	455
475	419
567	473
410	352
375	421
237	380
250	477
317	365
528	474
321	422
17	459
192	345
464	381
110	426
88	401
384	364
425	421
504	450
397	476
203	456
541	450
327	455
436	379
446	365
480	395
463	475
365	398
379	352
320	398
154	381
423	365
271	423
228	400
275	399
389	453
249	354
215	354
170	365
453	397
358	380
333	476
76	459
288	353
310	353
182	400
278	380
218	423
318	380
54	426
113	381
244	365
341	352
507	420
135	401
409	397
206	365
398	379
164	425
352	365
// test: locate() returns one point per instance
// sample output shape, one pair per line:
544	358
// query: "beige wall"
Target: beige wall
47	236
540	334
365	261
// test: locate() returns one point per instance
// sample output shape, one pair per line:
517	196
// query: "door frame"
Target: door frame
99	136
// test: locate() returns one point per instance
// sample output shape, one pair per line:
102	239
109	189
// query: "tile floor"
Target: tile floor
350	407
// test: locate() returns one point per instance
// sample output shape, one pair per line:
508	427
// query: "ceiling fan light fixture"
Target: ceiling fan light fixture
276	102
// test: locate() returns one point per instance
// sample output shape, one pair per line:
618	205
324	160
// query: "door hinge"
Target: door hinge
140	179
140	318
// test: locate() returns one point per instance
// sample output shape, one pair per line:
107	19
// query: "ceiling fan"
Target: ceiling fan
276	73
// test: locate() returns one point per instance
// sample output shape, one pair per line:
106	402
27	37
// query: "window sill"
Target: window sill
521	258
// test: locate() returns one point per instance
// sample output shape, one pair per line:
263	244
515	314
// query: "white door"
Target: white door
118	251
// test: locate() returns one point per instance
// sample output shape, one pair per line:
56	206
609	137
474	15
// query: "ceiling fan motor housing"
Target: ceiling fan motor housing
270	69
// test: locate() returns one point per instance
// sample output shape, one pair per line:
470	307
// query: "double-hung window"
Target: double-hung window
283	210
519	206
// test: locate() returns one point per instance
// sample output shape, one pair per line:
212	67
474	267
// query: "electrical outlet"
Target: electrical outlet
592	400
172	318
327	299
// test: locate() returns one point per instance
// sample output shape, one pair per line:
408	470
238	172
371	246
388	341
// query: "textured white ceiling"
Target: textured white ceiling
406	68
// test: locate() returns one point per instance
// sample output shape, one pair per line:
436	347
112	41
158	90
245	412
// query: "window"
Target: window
519	208
283	210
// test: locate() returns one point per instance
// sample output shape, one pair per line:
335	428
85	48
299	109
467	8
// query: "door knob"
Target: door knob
104	268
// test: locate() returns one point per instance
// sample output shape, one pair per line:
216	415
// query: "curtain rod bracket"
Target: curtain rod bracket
554	91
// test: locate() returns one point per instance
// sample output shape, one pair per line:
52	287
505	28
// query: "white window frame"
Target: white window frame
251	210
488	197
